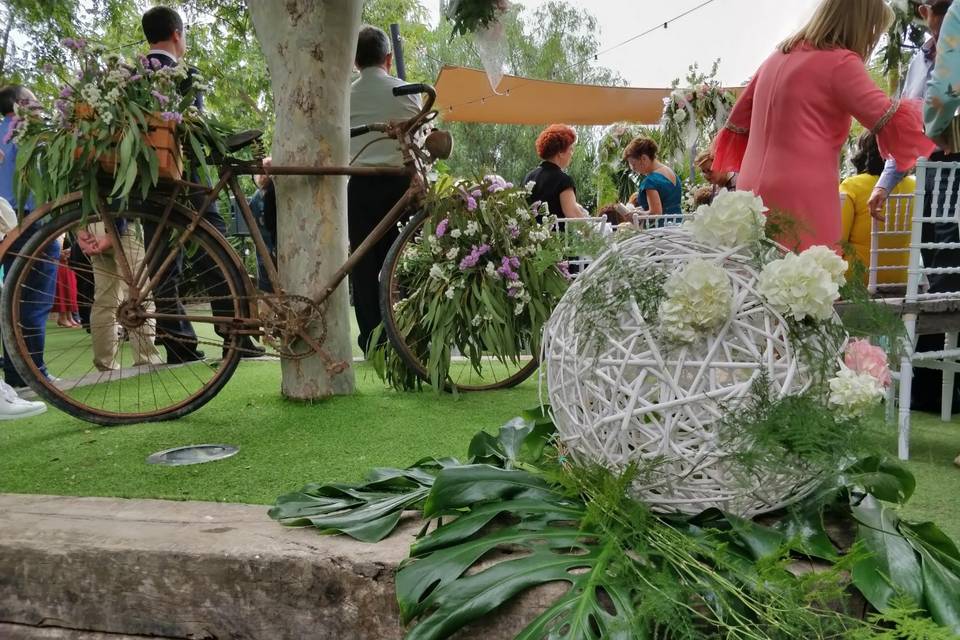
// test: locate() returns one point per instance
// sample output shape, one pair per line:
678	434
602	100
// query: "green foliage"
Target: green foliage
525	516
482	278
796	434
468	16
106	112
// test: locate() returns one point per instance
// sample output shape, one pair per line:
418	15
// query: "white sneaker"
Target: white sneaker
13	406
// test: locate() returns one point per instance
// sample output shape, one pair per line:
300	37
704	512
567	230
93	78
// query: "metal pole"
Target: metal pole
398	51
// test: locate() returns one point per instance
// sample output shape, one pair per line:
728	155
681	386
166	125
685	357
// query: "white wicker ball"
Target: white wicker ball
630	395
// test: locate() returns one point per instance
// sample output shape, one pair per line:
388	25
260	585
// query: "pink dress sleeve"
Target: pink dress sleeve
898	124
731	143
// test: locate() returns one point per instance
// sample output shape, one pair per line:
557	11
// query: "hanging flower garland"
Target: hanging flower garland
695	113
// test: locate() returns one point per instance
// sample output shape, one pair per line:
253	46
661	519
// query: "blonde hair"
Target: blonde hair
856	25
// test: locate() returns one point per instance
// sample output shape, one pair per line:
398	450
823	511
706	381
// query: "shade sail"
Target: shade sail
464	95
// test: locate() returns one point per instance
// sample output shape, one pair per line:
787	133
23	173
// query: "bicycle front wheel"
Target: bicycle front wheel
131	362
472	366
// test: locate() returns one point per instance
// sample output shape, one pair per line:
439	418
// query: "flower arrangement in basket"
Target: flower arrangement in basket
117	128
694	112
719	358
483	278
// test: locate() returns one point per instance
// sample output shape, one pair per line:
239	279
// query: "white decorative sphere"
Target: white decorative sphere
623	391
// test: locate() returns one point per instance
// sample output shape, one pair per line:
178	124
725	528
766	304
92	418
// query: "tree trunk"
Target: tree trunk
4	44
309	46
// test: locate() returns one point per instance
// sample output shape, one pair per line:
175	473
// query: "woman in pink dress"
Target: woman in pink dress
785	133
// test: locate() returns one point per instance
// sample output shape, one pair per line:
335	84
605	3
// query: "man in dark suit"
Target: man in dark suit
163	28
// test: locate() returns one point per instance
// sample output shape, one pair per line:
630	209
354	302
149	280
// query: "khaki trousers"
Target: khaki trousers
109	291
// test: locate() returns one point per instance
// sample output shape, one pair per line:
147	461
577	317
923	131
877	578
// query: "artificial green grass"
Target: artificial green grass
285	444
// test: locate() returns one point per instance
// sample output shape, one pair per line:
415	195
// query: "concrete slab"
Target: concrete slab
196	570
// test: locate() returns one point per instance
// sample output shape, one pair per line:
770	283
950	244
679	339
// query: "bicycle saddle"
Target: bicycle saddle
238	141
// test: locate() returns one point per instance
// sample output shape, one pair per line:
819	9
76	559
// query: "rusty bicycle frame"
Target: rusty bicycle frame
143	283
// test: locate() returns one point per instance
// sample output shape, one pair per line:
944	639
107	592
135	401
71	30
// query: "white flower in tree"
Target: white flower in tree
829	261
698	300
733	219
854	394
799	287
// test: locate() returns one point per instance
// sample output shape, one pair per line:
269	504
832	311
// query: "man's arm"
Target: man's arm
888	181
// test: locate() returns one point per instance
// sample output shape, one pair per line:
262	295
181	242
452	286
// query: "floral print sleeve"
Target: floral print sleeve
943	90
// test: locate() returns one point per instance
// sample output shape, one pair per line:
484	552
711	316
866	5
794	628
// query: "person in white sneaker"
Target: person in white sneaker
13	406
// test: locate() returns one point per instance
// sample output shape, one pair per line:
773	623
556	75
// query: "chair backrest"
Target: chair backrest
579	233
650	221
889	244
934	241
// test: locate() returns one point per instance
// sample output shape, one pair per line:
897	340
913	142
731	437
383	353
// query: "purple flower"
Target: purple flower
497	183
442	227
514	232
135	77
155	63
512	293
535	206
507	266
469	199
66	91
470	260
564	268
476	193
48	68
70	43
145	62
162	99
61	106
174	116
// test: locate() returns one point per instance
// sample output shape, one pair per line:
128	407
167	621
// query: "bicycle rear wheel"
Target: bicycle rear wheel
128	366
484	371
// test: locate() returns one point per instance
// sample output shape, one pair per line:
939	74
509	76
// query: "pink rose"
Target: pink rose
863	357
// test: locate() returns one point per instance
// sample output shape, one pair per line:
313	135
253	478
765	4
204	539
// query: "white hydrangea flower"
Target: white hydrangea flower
529	186
853	394
436	272
452	253
734	218
456	233
829	261
798	287
491	270
679	116
472	228
518	309
449	293
698	300
476	320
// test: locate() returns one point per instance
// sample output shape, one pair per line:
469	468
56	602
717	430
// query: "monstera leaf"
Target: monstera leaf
436	587
369	511
523	439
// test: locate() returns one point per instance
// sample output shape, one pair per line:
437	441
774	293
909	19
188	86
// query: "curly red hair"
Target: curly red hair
555	139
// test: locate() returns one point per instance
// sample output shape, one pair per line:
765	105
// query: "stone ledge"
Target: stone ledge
198	570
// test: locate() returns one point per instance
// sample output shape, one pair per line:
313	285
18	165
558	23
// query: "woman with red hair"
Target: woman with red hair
551	184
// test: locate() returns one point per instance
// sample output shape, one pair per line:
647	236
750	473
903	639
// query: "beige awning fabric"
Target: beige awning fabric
464	95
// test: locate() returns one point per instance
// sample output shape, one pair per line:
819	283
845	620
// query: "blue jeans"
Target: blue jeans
36	302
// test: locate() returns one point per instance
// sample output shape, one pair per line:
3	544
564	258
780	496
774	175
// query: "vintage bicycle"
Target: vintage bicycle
223	302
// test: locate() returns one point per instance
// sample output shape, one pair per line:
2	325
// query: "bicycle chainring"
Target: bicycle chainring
284	318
